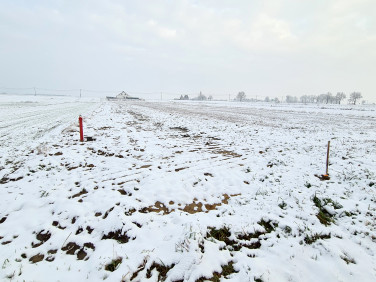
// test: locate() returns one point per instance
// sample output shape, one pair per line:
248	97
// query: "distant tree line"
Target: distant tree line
200	97
327	98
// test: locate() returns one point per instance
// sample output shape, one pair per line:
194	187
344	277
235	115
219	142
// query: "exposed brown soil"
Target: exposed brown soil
107	213
36	258
89	245
140	268
113	265
70	248
50	258
42	238
82	192
79	230
117	235
5	180
228	153
125	193
179	128
81	254
89	229
226	270
162	270
57	224
179	169
145	166
192	208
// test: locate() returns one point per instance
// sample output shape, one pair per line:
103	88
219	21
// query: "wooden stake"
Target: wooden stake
81	129
327	159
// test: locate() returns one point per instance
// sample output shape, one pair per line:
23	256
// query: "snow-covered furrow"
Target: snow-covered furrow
193	191
23	128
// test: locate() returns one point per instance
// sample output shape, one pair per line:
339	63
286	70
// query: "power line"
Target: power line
60	90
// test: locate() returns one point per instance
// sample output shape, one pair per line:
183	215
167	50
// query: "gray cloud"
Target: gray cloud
266	48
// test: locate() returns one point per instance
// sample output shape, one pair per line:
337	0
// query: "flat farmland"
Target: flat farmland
187	191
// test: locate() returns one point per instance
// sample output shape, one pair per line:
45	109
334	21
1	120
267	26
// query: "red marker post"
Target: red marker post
81	129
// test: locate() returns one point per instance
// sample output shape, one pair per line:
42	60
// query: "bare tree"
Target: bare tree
329	97
340	96
321	98
312	98
304	99
210	97
291	99
267	99
241	96
355	96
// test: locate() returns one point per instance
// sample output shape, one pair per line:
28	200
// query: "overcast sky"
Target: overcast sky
265	48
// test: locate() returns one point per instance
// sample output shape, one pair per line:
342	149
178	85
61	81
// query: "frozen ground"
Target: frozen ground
186	192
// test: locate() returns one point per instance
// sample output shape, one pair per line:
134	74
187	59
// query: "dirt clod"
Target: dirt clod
82	192
36	258
70	248
57	224
42	238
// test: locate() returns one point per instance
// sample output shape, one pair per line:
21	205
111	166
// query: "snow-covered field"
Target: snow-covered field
185	191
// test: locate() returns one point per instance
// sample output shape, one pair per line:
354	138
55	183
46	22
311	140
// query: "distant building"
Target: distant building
121	97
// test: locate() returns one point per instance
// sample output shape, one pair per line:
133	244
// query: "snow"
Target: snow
161	178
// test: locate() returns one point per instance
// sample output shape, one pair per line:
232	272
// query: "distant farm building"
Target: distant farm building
121	97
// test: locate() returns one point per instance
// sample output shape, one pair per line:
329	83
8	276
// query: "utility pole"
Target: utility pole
80	93
161	95
35	92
